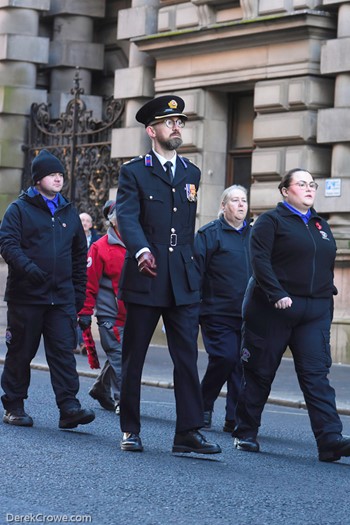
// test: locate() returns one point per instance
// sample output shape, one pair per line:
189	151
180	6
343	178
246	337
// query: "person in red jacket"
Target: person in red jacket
104	265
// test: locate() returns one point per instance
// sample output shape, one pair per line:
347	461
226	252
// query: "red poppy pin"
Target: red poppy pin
318	225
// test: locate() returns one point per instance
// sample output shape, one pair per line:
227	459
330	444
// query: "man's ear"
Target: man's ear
150	132
285	192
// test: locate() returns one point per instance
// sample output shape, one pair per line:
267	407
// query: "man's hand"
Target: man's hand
282	304
35	274
147	264
84	321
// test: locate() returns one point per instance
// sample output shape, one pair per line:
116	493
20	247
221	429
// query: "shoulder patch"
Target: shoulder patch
186	161
135	159
211	224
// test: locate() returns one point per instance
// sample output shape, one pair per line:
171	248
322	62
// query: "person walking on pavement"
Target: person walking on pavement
43	243
222	256
156	211
105	262
289	302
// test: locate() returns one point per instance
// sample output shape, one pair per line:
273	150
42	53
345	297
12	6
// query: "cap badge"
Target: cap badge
172	104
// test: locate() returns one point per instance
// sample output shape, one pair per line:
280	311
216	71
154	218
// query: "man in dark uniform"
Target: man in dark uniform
43	242
156	210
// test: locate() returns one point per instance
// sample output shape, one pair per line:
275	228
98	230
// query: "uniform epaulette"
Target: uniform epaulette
135	159
206	226
186	161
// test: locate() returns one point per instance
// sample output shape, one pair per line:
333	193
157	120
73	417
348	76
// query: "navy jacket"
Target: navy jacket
156	212
292	258
56	244
222	256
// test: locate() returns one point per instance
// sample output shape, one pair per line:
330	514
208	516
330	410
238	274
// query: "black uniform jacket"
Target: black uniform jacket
222	256
56	244
291	258
156	212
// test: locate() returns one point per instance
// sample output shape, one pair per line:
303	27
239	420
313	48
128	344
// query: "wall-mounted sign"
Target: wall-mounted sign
332	188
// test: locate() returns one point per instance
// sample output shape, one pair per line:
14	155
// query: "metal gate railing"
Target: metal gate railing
83	145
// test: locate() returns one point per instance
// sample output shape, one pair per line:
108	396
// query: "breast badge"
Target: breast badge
191	192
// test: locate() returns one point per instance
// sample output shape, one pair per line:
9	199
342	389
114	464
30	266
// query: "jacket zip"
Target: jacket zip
313	259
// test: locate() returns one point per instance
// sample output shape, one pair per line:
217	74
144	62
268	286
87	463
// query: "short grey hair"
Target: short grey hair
226	195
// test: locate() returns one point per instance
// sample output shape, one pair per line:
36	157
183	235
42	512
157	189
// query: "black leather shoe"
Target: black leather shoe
75	416
105	401
207	418
248	444
229	425
335	450
131	442
17	417
194	441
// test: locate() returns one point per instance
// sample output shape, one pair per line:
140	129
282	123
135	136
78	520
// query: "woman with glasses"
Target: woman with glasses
289	303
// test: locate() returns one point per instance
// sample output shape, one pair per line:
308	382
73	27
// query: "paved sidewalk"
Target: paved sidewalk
158	372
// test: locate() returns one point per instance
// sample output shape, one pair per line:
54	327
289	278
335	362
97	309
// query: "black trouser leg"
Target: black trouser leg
60	339
24	327
141	322
181	326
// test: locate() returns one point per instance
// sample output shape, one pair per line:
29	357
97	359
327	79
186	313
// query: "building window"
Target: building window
240	139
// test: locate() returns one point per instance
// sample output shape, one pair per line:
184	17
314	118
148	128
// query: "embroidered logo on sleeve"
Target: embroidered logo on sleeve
245	355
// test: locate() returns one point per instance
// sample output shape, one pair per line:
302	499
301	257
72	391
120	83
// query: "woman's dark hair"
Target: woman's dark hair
285	182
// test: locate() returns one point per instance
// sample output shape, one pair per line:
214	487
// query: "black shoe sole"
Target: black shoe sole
330	456
182	449
131	448
73	422
17	423
247	447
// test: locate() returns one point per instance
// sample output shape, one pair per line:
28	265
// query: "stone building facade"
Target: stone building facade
266	85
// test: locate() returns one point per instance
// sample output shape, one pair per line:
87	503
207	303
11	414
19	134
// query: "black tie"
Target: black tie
169	171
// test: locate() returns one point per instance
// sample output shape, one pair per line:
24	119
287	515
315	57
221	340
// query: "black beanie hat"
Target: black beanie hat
44	164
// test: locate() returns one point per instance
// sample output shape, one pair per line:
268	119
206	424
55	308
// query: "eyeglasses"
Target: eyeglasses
303	185
171	123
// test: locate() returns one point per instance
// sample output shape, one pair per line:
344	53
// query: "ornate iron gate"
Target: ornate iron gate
83	145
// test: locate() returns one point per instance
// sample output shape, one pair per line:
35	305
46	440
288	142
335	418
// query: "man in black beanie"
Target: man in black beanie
43	243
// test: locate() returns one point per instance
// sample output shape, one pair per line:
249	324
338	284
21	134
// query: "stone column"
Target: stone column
334	124
21	51
285	133
134	83
72	46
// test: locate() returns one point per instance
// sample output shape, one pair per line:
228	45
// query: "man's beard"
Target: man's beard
172	144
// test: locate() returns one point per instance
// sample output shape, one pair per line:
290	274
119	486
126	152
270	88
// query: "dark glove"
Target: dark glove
147	264
35	275
84	321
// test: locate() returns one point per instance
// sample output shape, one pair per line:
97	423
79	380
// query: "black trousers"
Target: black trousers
222	341
181	325
25	325
266	333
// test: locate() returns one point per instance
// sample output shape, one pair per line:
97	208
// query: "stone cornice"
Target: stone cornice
239	34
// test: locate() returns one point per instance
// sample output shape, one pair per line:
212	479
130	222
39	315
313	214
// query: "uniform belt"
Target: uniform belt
173	239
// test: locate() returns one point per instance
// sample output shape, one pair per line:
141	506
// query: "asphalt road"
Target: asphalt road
47	473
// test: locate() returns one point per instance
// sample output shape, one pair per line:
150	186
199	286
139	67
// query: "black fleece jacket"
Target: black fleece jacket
222	258
291	258
31	238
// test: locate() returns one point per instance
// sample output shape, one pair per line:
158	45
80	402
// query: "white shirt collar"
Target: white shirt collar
163	160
